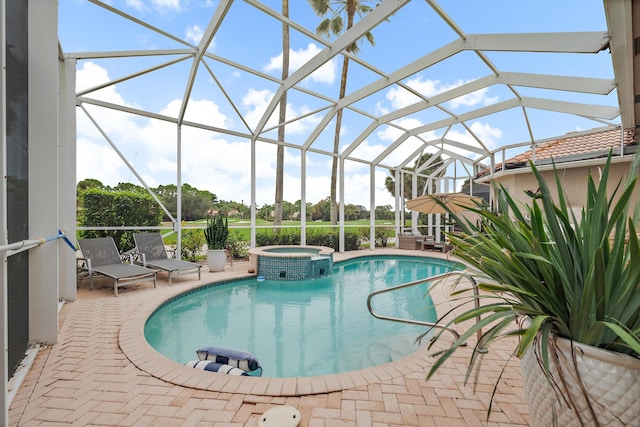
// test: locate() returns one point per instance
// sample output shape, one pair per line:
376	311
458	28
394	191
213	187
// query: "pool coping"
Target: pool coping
138	351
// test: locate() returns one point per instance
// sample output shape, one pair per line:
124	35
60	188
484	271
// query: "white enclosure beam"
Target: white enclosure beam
205	41
68	177
619	15
43	171
372	19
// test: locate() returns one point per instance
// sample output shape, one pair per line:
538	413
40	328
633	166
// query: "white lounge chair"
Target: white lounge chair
101	256
153	255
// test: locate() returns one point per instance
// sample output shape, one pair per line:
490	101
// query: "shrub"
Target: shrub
237	245
192	243
315	237
107	208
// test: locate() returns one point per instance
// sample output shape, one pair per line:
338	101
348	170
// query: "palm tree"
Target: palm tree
390	183
277	213
334	25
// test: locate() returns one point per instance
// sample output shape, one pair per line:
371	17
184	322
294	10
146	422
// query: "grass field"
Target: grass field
242	227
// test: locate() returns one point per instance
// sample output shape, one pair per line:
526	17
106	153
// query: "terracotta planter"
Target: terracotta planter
594	386
217	259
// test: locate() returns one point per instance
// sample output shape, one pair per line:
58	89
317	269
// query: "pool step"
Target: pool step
389	349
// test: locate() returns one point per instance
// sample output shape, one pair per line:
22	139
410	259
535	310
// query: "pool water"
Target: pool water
304	328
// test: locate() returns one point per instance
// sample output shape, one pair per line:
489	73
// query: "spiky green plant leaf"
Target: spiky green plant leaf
573	276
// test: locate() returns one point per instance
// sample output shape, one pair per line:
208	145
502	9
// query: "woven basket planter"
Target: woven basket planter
595	387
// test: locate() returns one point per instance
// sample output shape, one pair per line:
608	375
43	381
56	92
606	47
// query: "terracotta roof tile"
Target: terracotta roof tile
591	144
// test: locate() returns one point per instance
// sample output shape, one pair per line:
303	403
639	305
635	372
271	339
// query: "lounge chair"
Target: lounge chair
101	256
151	249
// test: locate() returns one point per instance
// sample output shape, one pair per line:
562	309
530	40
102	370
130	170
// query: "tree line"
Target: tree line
197	204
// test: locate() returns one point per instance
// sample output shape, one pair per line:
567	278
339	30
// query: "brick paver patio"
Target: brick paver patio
93	377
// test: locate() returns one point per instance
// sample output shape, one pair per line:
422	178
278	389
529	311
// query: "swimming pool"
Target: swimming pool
305	328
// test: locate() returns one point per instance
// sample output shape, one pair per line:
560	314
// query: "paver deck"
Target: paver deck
102	373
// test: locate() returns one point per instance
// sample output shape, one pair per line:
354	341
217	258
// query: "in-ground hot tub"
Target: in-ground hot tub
291	262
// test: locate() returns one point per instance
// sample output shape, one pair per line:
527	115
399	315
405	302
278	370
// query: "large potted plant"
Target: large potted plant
568	288
216	235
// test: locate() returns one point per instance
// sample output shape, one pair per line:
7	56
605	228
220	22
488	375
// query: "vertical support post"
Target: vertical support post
372	209
43	170
414	193
430	217
67	177
178	225
303	197
253	192
399	206
341	210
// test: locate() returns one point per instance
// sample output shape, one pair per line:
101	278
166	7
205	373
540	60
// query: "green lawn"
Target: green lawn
242	226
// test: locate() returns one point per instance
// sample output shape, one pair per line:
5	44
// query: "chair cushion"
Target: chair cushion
236	358
206	365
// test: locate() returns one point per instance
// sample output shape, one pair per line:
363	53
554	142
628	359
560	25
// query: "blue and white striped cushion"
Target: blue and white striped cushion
222	368
236	358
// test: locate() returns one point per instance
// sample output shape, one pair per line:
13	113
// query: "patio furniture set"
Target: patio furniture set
100	256
415	242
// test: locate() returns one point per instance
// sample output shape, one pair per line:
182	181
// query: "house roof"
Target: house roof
574	146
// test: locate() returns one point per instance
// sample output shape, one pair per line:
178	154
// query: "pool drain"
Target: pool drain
280	416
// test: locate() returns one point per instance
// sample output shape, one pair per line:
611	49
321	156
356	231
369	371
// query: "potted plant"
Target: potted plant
569	288
216	235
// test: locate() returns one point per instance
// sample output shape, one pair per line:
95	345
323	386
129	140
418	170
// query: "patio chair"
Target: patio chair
100	256
153	254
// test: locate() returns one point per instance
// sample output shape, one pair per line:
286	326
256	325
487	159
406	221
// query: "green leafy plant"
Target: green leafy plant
572	277
217	232
114	208
238	247
192	242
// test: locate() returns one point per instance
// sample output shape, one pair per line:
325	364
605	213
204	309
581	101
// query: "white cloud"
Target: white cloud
194	34
200	111
479	97
136	4
325	74
399	97
257	102
98	162
92	75
380	108
487	133
210	161
159	5
167	4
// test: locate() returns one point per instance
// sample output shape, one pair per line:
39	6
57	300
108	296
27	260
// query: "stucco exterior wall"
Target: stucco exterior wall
572	178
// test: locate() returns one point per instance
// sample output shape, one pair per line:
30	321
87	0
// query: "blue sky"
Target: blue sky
220	162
